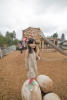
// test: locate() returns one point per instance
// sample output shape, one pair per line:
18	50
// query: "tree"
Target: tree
63	37
11	35
15	42
9	39
55	35
2	40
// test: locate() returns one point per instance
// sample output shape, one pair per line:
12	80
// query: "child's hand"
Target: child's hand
38	57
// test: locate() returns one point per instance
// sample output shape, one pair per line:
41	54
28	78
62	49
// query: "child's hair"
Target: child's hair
20	42
31	41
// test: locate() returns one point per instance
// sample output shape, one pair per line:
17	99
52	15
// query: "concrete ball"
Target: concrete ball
45	83
51	96
35	94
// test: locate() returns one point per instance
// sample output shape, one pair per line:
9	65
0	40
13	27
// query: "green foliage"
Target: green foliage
11	35
55	35
15	41
9	39
2	40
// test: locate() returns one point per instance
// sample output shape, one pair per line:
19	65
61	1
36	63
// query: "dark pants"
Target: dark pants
21	50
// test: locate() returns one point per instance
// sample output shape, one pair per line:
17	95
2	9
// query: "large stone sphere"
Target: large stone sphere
51	96
46	84
35	94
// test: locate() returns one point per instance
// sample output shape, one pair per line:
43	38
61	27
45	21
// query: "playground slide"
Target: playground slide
54	46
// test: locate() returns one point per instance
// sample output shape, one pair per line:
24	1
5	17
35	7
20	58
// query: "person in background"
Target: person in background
24	41
20	46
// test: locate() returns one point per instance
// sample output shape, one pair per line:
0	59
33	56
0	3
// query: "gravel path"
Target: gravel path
13	73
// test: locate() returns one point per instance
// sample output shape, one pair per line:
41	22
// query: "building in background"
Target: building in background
36	34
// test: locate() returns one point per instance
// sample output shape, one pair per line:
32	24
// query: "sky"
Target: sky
49	15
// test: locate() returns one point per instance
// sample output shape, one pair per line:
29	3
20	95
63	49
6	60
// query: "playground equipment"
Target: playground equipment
35	94
53	45
51	96
63	45
45	83
42	90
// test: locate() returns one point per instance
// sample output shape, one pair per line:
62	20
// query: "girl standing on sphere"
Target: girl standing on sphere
30	62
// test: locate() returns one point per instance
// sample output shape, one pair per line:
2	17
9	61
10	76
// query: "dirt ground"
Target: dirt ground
13	73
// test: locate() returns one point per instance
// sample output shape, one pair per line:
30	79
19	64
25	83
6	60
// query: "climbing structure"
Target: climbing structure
57	48
39	35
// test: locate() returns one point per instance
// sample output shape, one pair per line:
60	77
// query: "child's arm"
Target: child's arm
37	57
26	60
38	54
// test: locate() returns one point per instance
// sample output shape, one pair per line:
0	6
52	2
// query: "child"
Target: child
20	46
30	61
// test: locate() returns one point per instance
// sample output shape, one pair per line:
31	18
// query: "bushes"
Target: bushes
9	39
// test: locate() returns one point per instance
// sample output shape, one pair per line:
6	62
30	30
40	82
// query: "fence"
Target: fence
6	51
